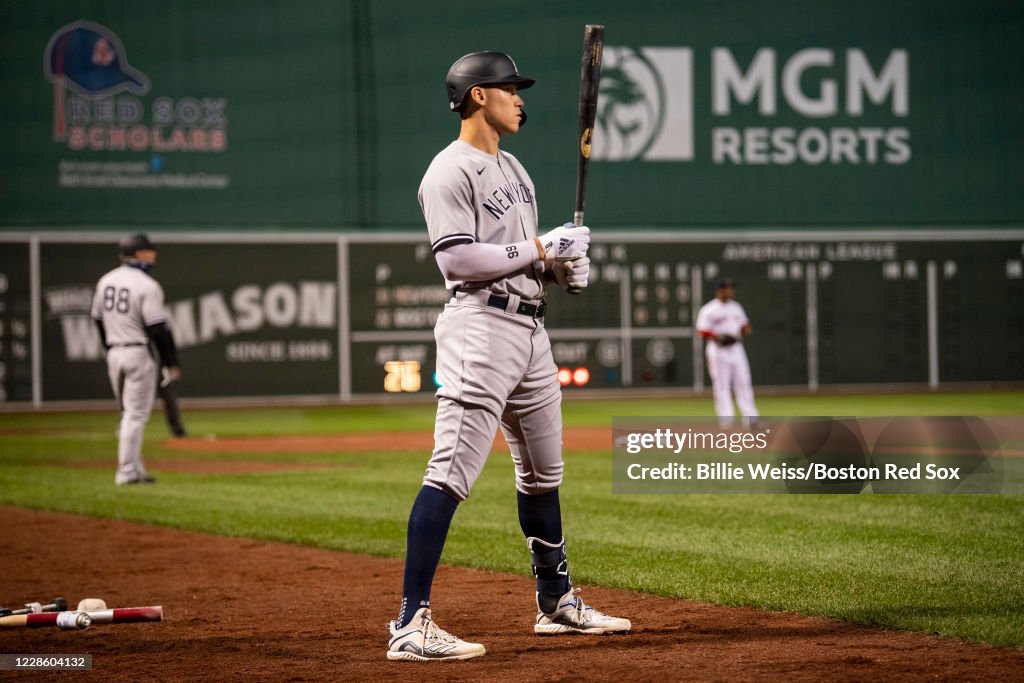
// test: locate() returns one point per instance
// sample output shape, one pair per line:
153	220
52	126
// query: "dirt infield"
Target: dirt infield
237	608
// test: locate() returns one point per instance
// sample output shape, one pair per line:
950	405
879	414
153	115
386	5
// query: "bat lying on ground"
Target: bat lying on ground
73	620
59	604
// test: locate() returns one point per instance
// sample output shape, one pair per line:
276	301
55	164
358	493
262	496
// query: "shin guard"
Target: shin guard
551	568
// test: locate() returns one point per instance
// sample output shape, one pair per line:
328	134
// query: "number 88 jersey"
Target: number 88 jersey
126	301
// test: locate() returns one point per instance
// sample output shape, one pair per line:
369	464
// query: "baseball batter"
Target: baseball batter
723	323
128	308
494	360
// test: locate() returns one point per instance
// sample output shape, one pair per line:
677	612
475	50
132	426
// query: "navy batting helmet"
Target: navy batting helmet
130	244
481	68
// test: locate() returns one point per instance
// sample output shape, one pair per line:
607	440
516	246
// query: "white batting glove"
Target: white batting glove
578	270
564	243
561	271
572	274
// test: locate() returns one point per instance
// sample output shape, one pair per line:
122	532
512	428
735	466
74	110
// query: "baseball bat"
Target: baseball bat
119	615
126	615
59	604
65	621
590	79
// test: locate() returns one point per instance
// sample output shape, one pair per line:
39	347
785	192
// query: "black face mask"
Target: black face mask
144	267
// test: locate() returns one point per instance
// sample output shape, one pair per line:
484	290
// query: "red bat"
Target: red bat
121	615
126	615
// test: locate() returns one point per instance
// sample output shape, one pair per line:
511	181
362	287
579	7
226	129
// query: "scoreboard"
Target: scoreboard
340	317
15	323
835	309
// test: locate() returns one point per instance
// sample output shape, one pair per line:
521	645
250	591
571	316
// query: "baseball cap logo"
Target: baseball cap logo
89	59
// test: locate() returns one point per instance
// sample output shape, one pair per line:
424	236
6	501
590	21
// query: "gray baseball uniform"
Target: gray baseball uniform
127	300
494	359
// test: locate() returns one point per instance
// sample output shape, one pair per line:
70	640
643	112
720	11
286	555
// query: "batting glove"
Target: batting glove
572	274
561	271
564	243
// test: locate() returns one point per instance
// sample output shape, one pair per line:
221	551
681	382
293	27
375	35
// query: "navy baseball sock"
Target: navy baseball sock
429	520
540	518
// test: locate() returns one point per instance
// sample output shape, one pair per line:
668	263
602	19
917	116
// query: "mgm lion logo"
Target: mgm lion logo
645	107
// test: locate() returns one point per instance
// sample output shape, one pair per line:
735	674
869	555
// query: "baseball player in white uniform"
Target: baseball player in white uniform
723	323
494	360
128	308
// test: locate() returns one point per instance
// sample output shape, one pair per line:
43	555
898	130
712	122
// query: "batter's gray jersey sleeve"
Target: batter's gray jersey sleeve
446	198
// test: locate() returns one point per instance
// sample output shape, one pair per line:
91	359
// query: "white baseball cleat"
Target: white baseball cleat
575	616
424	641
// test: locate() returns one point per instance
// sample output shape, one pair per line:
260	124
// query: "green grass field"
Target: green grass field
950	564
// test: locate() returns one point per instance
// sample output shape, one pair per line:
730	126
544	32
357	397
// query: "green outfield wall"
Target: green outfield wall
339	317
314	114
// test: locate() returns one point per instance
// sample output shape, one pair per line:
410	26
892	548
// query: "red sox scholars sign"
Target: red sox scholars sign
97	108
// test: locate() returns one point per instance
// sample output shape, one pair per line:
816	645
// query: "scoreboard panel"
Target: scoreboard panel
15	323
981	314
347	316
396	293
825	311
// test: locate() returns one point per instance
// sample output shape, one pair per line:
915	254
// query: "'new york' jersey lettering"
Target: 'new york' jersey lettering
505	197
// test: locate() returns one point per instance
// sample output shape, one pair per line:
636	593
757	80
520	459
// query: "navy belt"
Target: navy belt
131	344
532	310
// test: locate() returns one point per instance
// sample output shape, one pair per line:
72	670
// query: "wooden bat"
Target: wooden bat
590	78
118	615
66	621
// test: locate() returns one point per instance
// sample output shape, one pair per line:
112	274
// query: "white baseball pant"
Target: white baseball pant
730	374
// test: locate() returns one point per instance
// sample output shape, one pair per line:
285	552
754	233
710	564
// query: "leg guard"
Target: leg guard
551	568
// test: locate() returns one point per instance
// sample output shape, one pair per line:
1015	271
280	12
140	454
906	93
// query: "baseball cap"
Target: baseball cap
129	244
725	282
92	60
